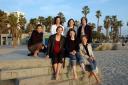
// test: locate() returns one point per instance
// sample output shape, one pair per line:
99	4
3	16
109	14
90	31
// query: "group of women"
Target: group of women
71	42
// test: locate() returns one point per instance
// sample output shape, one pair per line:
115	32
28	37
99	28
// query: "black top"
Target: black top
87	31
35	38
71	45
86	48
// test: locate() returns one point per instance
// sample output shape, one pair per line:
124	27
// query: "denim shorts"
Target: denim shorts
72	59
93	65
80	59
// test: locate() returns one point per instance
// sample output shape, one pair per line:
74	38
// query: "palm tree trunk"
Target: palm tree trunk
107	33
120	31
97	24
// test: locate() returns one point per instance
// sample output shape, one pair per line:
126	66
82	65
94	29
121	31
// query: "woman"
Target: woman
57	22
35	41
84	29
87	60
56	51
72	49
70	25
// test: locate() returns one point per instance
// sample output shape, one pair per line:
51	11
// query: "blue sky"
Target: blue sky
70	8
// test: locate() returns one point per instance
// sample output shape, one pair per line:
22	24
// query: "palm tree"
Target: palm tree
22	22
98	15
93	26
48	23
85	11
113	27
99	32
29	28
41	20
12	19
77	23
33	22
107	24
62	17
3	22
120	26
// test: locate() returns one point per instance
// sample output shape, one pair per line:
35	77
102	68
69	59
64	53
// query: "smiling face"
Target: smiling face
59	30
58	21
71	23
72	34
83	21
39	29
84	39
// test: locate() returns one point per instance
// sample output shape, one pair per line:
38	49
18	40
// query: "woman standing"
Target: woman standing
57	22
70	25
56	51
87	60
35	41
72	49
84	29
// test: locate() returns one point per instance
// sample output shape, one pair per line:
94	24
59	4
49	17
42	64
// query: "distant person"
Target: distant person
57	22
71	48
70	25
56	51
35	42
84	29
87	58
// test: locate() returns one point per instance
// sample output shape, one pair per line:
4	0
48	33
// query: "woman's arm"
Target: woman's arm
52	29
90	50
80	50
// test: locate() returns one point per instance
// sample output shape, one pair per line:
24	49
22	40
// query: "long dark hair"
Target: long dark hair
39	25
68	34
56	19
85	20
69	22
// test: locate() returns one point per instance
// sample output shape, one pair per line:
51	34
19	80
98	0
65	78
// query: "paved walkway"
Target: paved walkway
113	64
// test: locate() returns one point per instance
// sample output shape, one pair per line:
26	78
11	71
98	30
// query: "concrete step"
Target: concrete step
46	80
42	76
24	63
27	63
20	73
30	72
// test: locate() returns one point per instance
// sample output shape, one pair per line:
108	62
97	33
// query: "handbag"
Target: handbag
91	66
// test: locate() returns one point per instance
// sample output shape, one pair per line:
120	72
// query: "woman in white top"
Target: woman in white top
57	22
70	25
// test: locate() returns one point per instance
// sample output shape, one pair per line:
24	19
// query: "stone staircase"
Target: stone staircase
37	71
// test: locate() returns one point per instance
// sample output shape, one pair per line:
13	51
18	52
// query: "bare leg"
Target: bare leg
96	77
55	68
82	67
38	48
74	72
59	65
36	53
